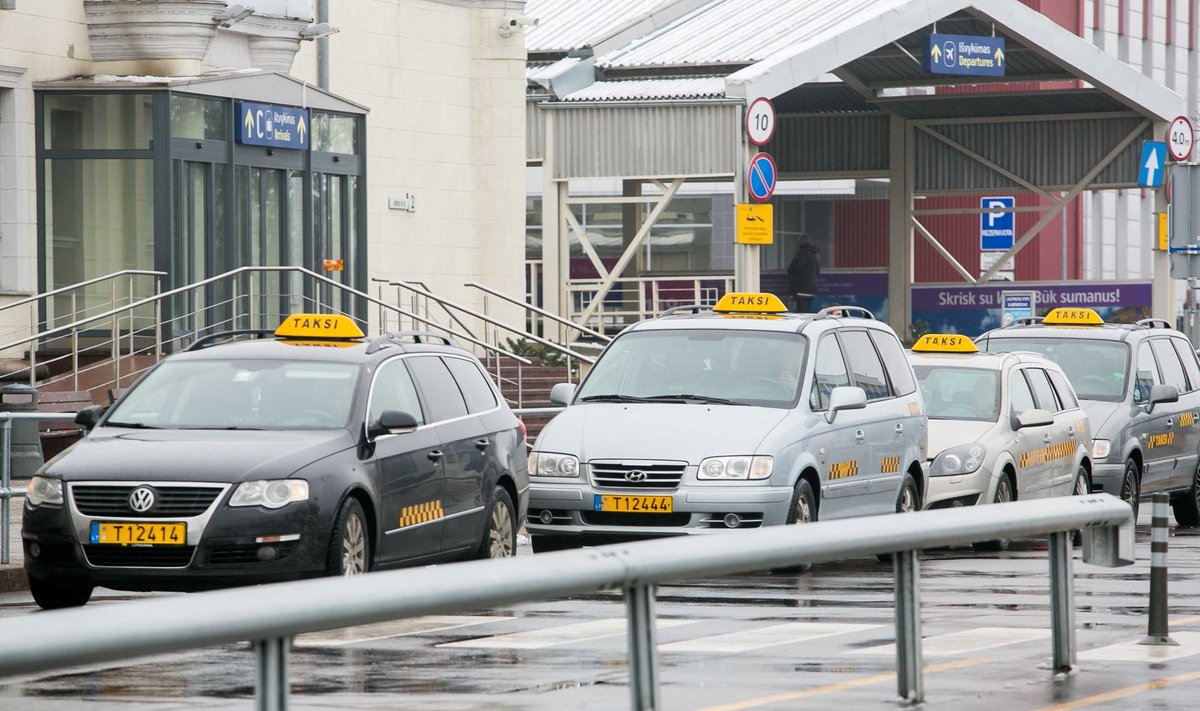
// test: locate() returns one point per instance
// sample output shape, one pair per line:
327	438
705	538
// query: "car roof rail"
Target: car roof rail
1154	323
690	309
213	339
845	312
399	338
1026	320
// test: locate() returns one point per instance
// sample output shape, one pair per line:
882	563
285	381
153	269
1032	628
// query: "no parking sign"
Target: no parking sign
760	178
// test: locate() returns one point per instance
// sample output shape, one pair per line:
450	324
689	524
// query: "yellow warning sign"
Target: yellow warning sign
755	223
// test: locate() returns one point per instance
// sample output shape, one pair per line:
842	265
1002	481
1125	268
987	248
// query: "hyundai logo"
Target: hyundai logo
636	476
141	499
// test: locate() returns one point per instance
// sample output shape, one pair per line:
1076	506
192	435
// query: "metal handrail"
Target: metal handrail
271	615
454	317
6	490
537	310
80	285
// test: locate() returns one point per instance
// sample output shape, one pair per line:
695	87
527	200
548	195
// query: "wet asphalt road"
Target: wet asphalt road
818	640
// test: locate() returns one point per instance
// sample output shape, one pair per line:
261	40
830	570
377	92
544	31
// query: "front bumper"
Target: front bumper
571	511
1107	477
960	490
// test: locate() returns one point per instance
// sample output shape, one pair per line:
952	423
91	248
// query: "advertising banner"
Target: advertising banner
971	310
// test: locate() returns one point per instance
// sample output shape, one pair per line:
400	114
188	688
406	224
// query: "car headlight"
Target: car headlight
271	493
551	464
735	468
44	490
1100	448
963	459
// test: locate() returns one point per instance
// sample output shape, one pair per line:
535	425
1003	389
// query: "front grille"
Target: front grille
658	475
169	501
138	557
613	518
247	553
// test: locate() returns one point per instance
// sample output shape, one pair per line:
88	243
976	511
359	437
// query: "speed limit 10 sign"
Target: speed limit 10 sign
760	121
1180	138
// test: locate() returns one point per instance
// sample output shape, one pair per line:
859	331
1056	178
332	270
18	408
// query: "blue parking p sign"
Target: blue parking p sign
997	223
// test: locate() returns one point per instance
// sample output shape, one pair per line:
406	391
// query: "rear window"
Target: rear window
1096	368
475	387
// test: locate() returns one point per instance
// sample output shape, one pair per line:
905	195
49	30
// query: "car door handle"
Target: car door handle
860	436
1170	424
899	428
434	455
1047	438
1071	431
482	443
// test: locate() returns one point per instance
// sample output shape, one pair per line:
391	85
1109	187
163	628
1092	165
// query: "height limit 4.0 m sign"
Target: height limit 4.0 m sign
1180	138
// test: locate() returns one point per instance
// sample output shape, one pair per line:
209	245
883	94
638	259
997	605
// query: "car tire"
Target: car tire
1186	505
349	542
57	594
801	510
1004	494
1131	486
549	544
909	501
1081	487
499	528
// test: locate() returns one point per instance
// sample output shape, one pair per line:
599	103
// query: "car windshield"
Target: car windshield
702	366
1097	369
959	393
240	394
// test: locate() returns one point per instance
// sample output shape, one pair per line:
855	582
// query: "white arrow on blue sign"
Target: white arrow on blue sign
760	178
1150	168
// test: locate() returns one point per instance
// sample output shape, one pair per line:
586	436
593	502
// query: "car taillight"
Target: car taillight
524	432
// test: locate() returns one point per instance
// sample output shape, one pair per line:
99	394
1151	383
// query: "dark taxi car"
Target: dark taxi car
257	457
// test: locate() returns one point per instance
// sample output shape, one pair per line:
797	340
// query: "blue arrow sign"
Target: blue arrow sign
760	178
997	229
964	54
272	126
1150	168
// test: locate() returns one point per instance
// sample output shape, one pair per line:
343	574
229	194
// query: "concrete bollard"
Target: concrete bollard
1157	634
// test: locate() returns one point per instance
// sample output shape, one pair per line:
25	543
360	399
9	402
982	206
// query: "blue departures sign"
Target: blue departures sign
272	126
964	54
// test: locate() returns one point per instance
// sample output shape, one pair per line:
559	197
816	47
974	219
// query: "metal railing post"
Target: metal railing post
5	482
74	358
1158	633
271	690
643	649
909	680
520	383
233	304
1062	601
157	322
114	339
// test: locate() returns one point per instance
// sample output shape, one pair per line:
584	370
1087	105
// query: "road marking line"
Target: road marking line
760	637
1124	693
557	636
964	641
1189	644
1186	620
394	628
840	686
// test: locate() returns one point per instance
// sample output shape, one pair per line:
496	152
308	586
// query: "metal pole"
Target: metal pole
157	321
5	482
323	47
271	691
74	358
115	348
1062	601
1157	633
643	650
909	681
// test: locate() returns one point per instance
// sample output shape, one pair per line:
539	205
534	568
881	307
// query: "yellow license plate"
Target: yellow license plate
130	532
633	504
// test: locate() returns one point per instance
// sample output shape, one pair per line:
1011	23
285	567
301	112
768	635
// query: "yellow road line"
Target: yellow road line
1186	620
1124	693
840	686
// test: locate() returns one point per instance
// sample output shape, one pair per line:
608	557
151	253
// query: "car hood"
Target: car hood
1099	412
228	456
658	431
944	434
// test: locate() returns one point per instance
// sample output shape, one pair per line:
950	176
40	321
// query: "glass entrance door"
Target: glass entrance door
263	240
335	225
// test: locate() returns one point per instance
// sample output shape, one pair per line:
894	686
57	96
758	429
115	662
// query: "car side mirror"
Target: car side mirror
562	394
89	416
846	397
1034	418
392	422
1161	393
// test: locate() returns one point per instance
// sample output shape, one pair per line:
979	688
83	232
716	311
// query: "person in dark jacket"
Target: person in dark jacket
802	272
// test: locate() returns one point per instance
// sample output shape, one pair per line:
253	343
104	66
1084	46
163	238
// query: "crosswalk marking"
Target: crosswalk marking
557	636
394	628
760	637
964	641
1189	644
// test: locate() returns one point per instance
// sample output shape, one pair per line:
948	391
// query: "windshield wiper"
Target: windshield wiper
612	398
132	425
707	399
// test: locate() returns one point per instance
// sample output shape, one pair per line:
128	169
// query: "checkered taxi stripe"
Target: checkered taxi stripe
421	513
842	470
1046	454
889	465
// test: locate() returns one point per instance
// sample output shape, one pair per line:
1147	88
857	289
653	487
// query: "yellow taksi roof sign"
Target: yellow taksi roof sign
944	343
749	303
318	326
1073	317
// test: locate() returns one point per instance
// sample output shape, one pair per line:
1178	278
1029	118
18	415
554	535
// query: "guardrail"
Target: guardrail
271	615
6	490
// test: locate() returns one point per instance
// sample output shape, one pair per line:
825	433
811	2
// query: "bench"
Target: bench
57	435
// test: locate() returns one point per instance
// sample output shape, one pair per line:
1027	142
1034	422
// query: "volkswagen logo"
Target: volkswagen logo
141	499
636	476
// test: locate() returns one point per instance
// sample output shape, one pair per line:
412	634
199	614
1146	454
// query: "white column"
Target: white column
900	234
1163	299
554	250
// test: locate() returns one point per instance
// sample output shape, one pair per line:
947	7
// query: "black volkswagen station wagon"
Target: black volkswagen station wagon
259	456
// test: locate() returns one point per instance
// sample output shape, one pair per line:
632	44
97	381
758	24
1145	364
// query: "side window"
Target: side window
1190	365
829	372
1168	360
393	390
1042	391
1020	397
865	367
897	365
1066	395
474	385
1146	374
442	395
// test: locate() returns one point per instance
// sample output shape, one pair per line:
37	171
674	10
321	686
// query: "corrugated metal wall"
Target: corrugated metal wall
836	144
646	140
535	132
1050	154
